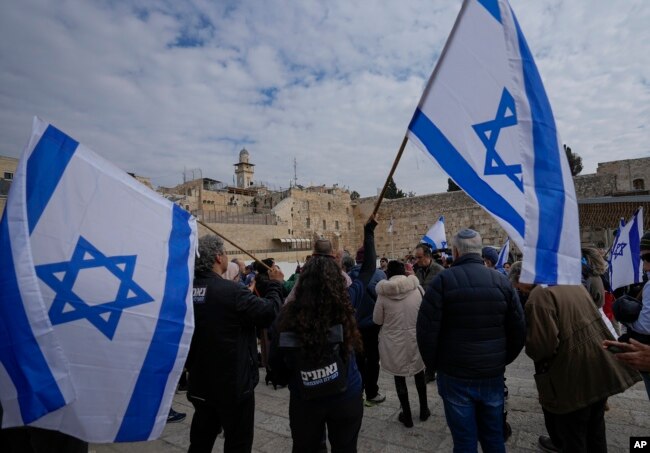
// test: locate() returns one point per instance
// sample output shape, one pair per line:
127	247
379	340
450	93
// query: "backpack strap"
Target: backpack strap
291	340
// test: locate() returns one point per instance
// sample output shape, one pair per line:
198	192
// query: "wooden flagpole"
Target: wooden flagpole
200	222
390	175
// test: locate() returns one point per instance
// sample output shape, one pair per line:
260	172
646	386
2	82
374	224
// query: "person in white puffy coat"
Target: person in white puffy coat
396	310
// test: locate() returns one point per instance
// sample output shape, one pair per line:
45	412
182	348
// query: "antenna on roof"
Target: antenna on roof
295	172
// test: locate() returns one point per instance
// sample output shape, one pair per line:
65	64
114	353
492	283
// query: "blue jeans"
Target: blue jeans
474	412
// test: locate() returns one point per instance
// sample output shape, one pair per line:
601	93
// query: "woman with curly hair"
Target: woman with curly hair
314	340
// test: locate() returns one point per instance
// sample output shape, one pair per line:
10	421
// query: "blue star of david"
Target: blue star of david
618	249
67	306
489	131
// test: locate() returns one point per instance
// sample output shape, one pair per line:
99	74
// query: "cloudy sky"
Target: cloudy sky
161	86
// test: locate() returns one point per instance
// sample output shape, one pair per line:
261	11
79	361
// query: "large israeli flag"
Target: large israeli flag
485	118
95	295
436	236
625	266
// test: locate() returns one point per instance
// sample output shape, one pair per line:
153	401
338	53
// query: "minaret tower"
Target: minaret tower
244	170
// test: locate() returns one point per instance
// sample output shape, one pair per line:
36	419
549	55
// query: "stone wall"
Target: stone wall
595	185
259	240
412	218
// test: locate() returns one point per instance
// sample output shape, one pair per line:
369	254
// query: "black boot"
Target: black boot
421	386
405	417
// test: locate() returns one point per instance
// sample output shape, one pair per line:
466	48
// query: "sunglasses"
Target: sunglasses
645	257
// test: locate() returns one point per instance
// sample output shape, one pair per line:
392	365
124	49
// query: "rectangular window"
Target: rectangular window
324	225
9	176
336	224
308	222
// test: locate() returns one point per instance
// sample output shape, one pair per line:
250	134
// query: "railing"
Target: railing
267	251
239	218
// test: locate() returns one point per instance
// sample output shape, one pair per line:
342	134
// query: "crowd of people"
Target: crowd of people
328	329
455	318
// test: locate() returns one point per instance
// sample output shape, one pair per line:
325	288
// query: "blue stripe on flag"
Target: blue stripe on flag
141	413
37	390
493	8
635	244
549	184
461	172
44	170
430	241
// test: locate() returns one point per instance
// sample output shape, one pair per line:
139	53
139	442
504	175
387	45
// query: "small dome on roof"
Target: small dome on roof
243	155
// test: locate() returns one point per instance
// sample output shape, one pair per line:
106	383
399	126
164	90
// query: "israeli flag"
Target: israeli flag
436	236
504	253
485	118
625	267
95	295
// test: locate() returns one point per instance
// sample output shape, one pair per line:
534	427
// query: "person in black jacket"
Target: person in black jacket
305	333
470	326
222	362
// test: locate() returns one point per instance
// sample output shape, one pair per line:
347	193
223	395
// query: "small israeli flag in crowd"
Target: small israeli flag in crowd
95	295
485	118
625	266
504	253
436	236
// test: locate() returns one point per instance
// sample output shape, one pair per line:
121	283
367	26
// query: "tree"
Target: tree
452	186
575	161
392	191
354	195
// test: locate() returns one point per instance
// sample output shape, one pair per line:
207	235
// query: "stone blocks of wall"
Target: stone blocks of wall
412	217
595	185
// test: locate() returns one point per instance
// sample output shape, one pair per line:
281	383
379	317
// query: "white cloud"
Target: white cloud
156	87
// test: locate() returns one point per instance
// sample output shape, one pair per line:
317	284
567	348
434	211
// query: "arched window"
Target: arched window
638	184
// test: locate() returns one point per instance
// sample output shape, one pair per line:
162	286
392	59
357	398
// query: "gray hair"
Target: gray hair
348	263
209	247
515	272
468	241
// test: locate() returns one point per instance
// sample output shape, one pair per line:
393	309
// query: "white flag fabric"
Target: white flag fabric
390	227
95	295
625	267
504	253
436	236
485	118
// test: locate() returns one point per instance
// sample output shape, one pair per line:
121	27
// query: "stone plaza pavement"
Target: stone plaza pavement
629	415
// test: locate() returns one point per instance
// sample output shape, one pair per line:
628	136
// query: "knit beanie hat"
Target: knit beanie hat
489	253
645	241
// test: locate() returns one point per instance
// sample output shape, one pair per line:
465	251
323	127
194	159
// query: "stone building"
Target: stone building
283	223
8	167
